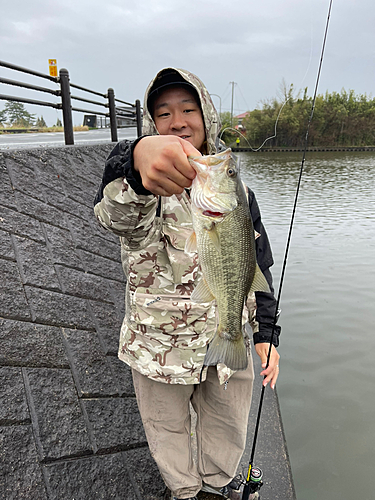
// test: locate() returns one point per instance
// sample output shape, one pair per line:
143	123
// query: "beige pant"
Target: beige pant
221	428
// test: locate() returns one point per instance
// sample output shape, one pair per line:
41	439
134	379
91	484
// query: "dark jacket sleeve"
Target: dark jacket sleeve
266	302
120	164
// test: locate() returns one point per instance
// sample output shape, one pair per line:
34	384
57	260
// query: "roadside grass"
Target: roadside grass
77	128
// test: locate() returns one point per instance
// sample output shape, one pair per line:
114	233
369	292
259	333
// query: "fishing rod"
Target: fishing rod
254	474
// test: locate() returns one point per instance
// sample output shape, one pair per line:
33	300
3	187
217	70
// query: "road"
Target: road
53	139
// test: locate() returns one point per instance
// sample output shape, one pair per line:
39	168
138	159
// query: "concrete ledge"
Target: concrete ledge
271	453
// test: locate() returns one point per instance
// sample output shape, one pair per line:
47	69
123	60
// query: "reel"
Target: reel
254	483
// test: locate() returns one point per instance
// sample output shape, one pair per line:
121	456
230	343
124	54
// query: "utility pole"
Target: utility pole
231	108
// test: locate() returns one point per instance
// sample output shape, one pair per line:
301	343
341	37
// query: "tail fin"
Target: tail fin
230	352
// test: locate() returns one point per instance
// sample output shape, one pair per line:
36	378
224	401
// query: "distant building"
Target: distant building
239	119
125	119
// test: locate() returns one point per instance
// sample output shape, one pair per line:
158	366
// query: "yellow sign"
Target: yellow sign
52	67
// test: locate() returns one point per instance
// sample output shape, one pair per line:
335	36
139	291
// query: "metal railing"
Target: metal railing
129	111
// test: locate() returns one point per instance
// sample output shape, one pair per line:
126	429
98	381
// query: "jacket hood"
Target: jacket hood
210	116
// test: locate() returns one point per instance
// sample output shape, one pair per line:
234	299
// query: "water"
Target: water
326	384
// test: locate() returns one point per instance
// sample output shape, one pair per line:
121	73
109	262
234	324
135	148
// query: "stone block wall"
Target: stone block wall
69	423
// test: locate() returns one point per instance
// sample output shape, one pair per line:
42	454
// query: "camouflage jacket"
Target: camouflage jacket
164	335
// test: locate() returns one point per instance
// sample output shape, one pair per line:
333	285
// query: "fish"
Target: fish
223	236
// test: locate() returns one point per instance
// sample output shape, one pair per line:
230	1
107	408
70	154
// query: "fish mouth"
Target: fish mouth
209	213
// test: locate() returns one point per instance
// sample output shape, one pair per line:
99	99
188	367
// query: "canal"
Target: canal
326	384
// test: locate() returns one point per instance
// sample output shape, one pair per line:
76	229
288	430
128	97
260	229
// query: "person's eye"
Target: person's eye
189	110
163	114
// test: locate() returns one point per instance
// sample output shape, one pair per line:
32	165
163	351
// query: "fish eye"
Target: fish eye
231	172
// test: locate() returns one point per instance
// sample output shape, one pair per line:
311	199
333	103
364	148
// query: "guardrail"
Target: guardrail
129	111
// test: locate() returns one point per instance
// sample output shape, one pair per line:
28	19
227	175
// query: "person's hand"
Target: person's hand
272	371
162	163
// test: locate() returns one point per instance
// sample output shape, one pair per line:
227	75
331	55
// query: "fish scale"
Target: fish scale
228	271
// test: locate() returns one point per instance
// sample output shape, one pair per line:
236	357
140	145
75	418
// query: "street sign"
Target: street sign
52	63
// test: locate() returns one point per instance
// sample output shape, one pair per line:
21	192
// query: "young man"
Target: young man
144	198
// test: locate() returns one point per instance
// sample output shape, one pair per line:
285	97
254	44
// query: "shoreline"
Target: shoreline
312	149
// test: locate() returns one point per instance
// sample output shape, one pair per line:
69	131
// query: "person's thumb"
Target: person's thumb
189	149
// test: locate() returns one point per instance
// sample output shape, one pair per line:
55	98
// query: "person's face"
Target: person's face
176	112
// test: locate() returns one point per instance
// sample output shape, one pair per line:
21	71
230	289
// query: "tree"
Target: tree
58	123
228	136
18	115
41	122
340	119
286	92
2	117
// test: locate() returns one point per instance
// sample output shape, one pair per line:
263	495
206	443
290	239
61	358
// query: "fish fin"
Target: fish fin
230	352
259	283
191	243
214	237
201	293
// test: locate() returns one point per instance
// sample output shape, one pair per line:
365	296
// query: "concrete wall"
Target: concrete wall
69	423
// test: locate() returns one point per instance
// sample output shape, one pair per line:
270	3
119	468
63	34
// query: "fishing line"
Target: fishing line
311	50
263	143
282	107
253	484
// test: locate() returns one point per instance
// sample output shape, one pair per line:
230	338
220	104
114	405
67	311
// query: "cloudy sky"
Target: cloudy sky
257	44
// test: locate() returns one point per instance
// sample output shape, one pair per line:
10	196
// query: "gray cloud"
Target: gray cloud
122	44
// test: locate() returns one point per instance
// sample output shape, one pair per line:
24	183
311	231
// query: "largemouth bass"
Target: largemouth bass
224	239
